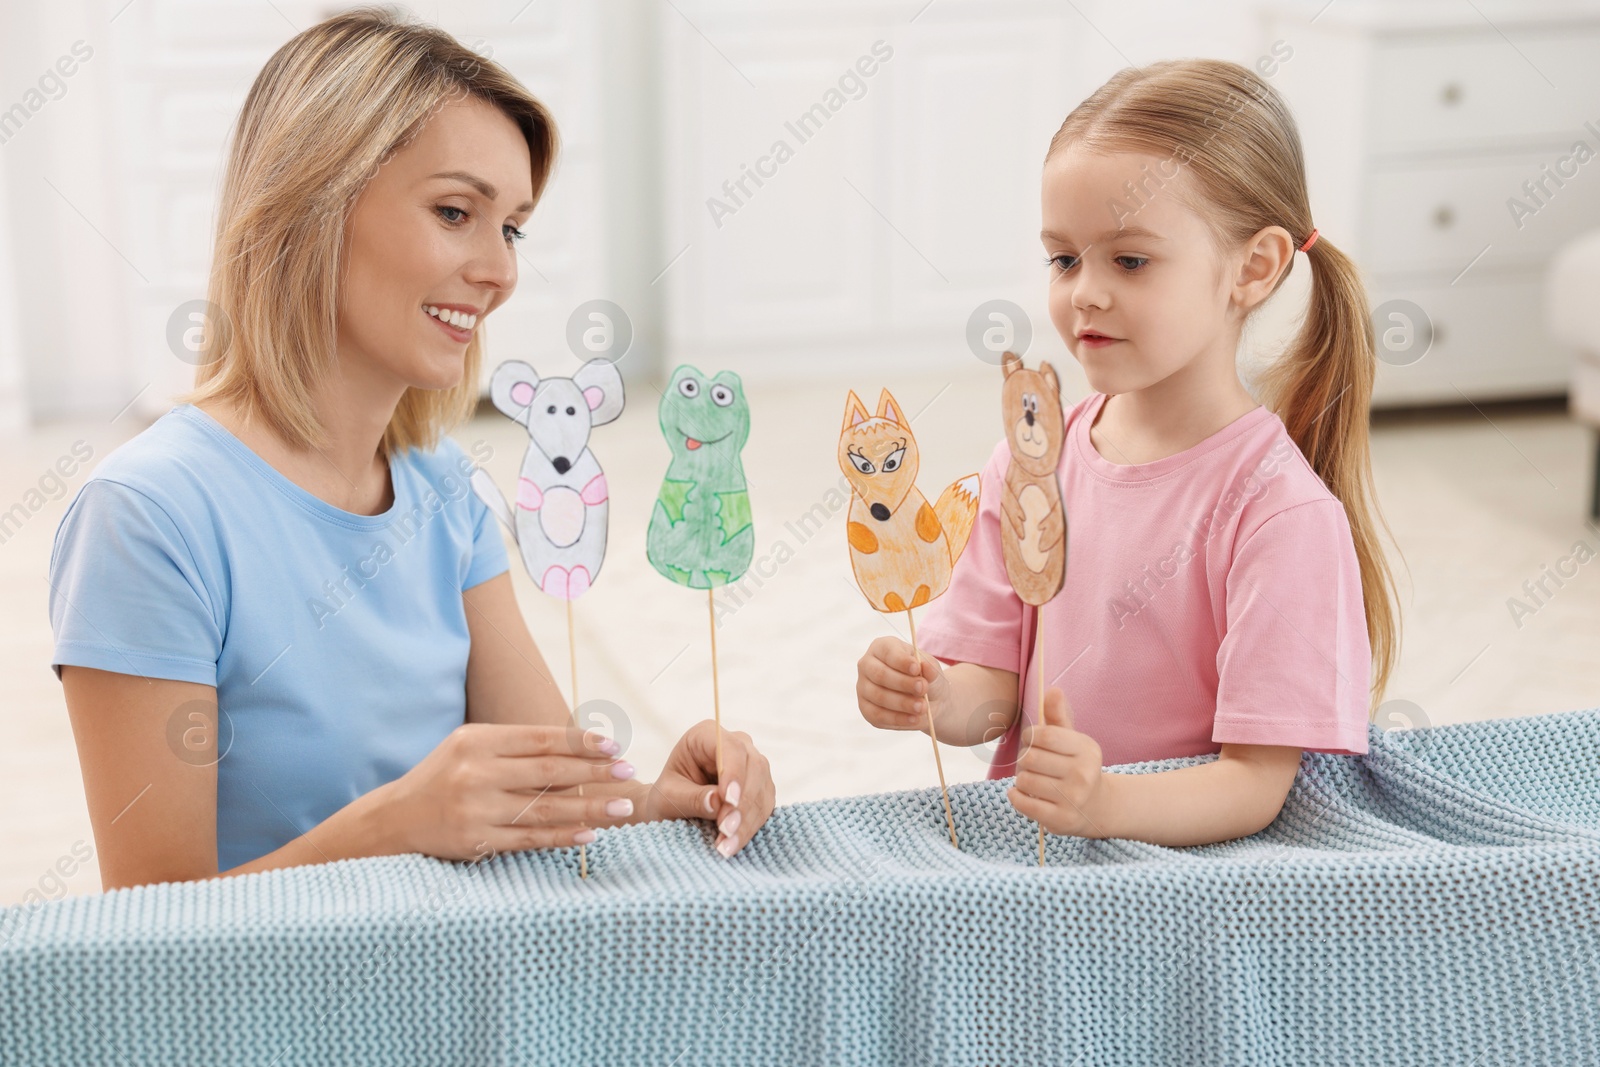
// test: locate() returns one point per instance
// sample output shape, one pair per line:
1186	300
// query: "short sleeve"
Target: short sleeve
489	556
979	619
1293	665
126	594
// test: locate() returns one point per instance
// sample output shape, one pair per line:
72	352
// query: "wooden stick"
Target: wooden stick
572	660
949	816
716	699
1038	619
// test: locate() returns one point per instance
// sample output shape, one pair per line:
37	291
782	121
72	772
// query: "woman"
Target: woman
284	624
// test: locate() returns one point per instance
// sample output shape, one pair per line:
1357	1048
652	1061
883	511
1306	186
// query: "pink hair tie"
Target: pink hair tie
1310	240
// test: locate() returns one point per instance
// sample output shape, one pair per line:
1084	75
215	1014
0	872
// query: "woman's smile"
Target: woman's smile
456	321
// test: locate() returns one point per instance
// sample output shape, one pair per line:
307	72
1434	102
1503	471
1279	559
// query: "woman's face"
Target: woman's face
1138	266
434	228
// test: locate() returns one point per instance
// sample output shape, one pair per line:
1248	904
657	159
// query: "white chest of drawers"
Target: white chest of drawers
1450	148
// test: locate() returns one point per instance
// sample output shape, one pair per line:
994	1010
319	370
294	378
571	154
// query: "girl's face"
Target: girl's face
435	227
1137	267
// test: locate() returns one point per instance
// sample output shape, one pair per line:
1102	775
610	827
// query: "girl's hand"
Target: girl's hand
489	786
1059	780
892	692
688	789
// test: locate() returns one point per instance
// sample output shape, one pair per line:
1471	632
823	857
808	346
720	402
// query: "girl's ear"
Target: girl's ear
887	408
855	413
1268	255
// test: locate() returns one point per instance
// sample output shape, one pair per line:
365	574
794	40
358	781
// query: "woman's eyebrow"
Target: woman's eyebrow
479	184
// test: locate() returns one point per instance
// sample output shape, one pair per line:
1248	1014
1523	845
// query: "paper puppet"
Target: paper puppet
1033	530
562	502
1033	521
901	547
700	534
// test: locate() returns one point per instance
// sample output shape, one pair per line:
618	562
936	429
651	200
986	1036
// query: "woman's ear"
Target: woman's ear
1267	256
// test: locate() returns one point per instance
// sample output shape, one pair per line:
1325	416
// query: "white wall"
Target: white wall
872	239
912	205
66	241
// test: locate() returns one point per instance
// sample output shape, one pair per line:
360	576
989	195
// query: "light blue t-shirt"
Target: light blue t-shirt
337	642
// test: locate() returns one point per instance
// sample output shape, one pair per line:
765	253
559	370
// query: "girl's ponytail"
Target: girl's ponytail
1232	135
1321	388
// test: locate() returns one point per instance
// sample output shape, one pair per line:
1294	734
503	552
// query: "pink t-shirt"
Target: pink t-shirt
1211	596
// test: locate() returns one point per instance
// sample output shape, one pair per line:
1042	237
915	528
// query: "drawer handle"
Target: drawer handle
1451	93
1444	217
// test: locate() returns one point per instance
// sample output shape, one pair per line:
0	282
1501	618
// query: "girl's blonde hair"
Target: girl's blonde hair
1234	136
324	114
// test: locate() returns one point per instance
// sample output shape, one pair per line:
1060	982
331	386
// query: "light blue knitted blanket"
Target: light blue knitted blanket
1434	902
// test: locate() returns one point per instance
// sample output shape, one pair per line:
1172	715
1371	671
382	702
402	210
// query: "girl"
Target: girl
1225	589
284	623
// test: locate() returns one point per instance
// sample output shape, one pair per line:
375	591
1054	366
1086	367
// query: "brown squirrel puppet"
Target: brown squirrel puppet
1033	531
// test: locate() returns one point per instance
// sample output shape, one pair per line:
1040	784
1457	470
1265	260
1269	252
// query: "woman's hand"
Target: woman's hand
688	789
490	787
893	693
1060	784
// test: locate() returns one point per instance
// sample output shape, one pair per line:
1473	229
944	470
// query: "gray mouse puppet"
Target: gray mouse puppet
562	502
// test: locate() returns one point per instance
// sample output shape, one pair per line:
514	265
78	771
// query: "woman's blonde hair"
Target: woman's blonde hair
1234	136
324	114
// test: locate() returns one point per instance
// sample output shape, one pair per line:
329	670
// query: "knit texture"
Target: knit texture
1432	902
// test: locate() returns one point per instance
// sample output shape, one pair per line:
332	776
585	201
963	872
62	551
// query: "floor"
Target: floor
1479	502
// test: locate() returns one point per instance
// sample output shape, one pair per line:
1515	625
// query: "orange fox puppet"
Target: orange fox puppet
902	548
1034	525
